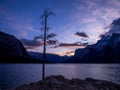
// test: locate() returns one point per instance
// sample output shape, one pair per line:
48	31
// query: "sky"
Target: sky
77	23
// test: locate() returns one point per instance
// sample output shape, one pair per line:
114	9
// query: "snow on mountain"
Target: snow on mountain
106	50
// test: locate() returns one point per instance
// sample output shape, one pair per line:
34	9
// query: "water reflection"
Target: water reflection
16	74
109	72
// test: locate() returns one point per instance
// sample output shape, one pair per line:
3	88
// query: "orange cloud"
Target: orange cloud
70	53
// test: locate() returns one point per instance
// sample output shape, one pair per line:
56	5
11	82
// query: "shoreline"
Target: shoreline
58	82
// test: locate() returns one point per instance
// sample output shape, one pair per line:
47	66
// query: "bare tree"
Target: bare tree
46	37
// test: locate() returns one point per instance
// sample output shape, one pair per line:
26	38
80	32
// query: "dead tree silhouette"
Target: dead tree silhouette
45	37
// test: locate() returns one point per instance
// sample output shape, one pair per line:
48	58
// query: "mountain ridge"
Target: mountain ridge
53	58
106	50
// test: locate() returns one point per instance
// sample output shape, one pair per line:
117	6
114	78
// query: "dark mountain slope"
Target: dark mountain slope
12	50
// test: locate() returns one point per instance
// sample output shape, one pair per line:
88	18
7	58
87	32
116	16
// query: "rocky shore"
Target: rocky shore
61	83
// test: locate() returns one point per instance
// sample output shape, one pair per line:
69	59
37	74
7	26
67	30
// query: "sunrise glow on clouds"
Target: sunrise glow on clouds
22	19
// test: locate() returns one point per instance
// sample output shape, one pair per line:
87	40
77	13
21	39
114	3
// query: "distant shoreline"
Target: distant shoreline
22	60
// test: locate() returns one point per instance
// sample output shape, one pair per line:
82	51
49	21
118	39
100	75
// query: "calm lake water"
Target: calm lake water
12	75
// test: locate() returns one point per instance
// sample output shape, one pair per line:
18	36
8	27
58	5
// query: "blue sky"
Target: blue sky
21	18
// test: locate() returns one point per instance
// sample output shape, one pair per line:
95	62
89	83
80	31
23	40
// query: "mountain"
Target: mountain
10	46
53	58
106	50
12	50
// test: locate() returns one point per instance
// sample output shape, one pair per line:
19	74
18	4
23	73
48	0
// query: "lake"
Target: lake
12	75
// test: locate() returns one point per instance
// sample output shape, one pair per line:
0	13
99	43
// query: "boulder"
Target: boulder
61	83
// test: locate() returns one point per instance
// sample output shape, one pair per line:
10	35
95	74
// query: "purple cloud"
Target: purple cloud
69	45
31	44
81	34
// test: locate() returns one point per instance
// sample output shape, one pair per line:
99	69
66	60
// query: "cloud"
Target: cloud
69	53
70	45
81	34
18	24
31	44
22	30
91	15
34	44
